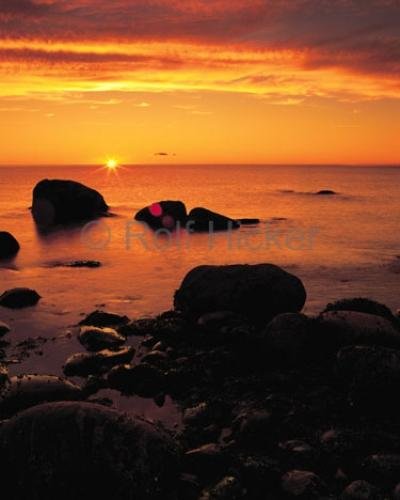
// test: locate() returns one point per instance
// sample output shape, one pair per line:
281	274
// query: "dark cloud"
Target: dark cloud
362	35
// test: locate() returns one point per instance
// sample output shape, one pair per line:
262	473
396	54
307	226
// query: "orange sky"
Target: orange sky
235	81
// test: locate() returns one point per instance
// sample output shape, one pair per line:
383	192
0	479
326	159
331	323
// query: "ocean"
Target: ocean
342	245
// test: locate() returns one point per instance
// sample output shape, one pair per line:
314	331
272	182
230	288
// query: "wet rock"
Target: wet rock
382	469
4	328
360	490
64	202
325	192
91	449
84	364
361	304
156	358
288	339
248	222
396	492
24	391
196	414
206	461
163	214
189	487
96	339
229	488
9	246
258	292
302	484
201	219
144	379
3	375
372	375
18	298
256	429
102	318
358	328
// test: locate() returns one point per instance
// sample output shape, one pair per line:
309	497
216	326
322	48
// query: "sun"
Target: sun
111	164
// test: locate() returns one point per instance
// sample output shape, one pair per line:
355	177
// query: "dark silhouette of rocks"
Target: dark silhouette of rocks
201	220
325	192
63	202
163	214
95	338
258	292
103	318
18	298
84	364
65	450
4	329
248	222
9	246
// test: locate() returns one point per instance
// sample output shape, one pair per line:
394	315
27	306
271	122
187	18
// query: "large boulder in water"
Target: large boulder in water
24	391
18	298
202	220
163	214
65	202
258	292
9	246
76	450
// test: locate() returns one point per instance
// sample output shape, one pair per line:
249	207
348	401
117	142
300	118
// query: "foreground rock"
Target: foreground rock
102	318
96	339
65	202
144	380
372	375
18	298
352	328
258	292
9	246
29	390
84	364
361	304
163	214
4	328
65	450
201	220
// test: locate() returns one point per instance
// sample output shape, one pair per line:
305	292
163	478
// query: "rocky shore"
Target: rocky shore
275	404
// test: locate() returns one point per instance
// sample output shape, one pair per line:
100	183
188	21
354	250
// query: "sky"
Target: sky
200	81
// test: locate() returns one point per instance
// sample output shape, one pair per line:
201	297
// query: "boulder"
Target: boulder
257	292
382	469
18	298
201	220
358	328
372	375
9	246
144	379
4	328
102	318
360	490
288	339
361	304
60	202
96	339
76	450
85	364
163	214
248	222
24	391
302	484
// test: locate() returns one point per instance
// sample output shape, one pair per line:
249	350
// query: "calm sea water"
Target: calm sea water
340	246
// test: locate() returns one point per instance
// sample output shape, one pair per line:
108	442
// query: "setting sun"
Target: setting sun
112	164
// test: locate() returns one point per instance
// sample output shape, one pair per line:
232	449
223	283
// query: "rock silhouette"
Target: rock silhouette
18	298
163	214
9	246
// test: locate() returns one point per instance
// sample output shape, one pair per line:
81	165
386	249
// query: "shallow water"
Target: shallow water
342	245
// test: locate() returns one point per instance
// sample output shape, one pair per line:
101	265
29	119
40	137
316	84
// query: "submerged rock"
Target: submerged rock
144	379
4	328
96	339
91	264
258	292
18	298
372	375
84	364
70	450
163	214
24	391
102	318
9	246
325	192
248	222
65	202
201	219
